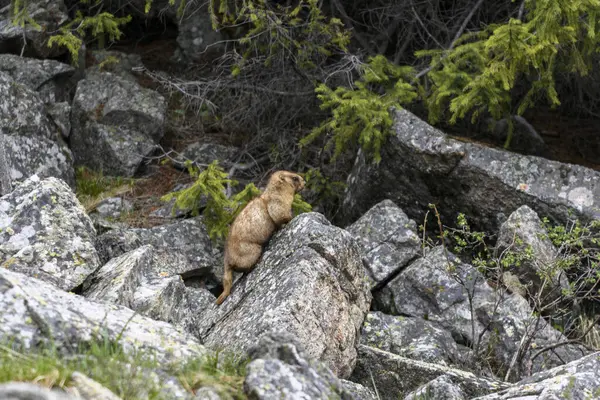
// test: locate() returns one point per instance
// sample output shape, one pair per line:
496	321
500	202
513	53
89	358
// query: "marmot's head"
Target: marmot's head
287	178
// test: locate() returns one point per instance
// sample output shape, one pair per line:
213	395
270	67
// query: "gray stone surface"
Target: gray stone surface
388	238
281	370
441	388
5	178
579	379
45	232
456	296
358	391
186	240
148	282
42	76
88	388
123	67
115	123
60	114
205	153
31	391
310	282
420	165
114	207
523	231
410	337
30	139
33	312
396	376
197	38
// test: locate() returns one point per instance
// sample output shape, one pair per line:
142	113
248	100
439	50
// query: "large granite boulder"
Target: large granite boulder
33	311
421	165
410	337
457	297
149	282
395	376
186	240
45	233
281	369
579	379
115	123
524	233
31	391
310	282
46	77
31	141
388	239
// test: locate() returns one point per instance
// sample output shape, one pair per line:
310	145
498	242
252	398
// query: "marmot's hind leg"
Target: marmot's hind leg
246	258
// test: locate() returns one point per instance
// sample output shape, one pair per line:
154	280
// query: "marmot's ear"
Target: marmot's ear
282	177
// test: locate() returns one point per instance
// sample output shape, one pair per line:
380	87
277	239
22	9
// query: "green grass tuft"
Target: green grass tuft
125	374
93	187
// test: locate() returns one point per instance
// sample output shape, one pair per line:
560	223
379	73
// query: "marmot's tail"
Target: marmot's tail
227	282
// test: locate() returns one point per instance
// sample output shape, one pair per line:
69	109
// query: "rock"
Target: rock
395	376
33	312
88	388
114	207
115	123
309	282
205	153
43	76
388	238
524	230
31	140
577	380
167	212
30	391
22	112
116	62
279	370
456	296
410	337
45	232
28	156
441	388
358	391
48	14
187	240
207	393
420	165
60	113
525	138
5	178
197	39
148	282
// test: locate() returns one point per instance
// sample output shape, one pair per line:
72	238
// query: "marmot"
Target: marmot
255	224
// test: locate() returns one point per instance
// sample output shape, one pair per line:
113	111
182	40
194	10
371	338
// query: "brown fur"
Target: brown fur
255	224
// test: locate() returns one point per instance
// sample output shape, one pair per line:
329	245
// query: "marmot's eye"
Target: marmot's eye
296	179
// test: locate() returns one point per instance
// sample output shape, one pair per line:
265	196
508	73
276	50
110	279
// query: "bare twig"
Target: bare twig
456	37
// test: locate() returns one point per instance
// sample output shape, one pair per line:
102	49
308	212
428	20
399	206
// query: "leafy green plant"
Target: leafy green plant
125	374
221	370
220	211
20	15
92	186
300	31
361	115
480	72
101	26
101	360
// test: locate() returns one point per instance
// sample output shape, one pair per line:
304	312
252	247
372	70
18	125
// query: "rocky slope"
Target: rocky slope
363	311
